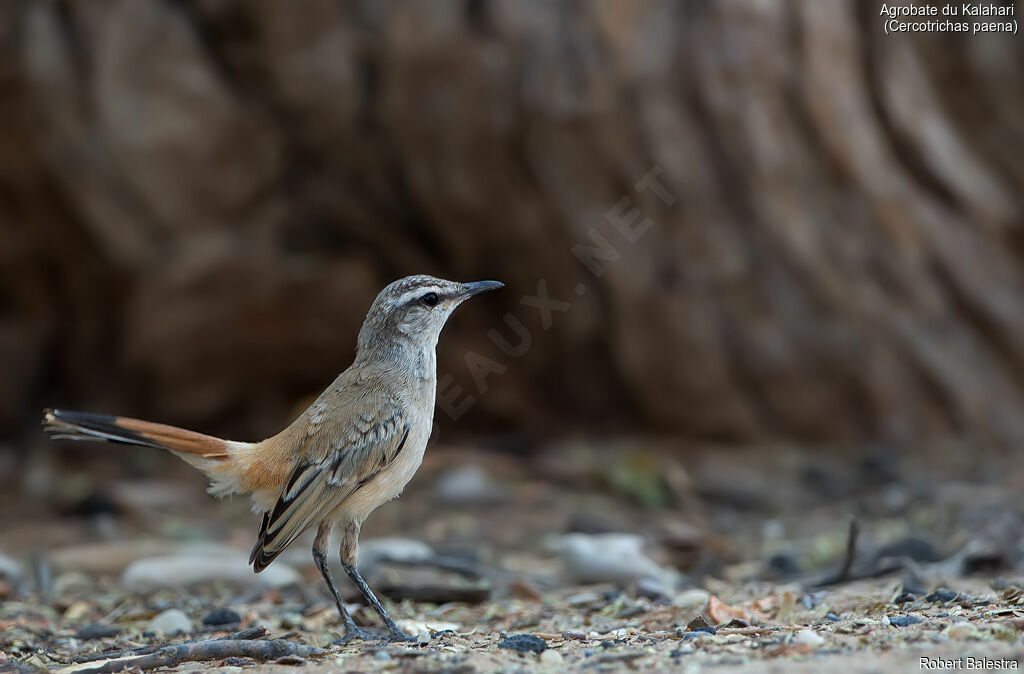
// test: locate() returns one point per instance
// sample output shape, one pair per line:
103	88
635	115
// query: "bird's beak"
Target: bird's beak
477	287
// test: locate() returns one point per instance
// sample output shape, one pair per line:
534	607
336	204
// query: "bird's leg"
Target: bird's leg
352	631
349	545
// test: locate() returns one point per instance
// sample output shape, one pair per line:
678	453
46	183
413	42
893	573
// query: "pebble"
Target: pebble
699	624
961	631
692	597
524	643
651	589
468	485
904	620
578	635
222	616
170	622
609	558
832	616
808	638
551	657
177	571
10	569
423	638
942	595
691	636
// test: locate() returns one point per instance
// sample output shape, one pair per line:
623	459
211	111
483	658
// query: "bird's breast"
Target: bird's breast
389	482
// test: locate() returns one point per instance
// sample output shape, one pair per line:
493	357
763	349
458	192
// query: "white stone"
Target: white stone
376	550
692	598
961	631
550	657
170	622
177	571
808	638
609	558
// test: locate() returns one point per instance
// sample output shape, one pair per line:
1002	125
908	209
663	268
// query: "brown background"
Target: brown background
200	198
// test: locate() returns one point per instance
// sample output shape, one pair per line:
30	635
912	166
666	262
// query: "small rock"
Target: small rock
10	570
222	616
832	616
176	571
551	657
691	636
78	610
651	589
905	598
582	599
423	638
737	622
524	643
575	634
692	598
962	631
170	622
609	558
392	549
96	631
808	638
699	624
468	485
382	656
942	595
904	620
784	565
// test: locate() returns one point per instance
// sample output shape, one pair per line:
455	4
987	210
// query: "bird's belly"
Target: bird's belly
388	484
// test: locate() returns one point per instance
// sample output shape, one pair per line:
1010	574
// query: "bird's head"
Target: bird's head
414	309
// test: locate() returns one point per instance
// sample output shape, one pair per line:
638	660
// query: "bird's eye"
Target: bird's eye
430	299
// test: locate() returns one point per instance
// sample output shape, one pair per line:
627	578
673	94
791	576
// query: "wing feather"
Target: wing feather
337	467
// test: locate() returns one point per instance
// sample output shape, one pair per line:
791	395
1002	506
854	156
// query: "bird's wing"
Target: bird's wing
340	458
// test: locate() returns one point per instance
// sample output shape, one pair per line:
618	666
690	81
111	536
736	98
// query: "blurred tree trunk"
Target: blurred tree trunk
201	197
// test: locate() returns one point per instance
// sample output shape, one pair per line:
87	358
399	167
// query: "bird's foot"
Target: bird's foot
353	633
389	636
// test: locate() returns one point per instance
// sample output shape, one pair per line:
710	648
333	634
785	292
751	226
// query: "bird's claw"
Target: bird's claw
354	633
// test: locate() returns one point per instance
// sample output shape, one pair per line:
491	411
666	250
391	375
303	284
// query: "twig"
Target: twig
244	635
845	572
215	649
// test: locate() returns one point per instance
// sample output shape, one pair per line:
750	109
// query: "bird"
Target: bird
354	448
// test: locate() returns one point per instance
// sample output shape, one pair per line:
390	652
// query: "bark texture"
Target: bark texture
200	198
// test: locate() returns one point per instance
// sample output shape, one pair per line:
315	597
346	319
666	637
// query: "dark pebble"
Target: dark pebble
587	652
524	643
238	662
904	620
222	616
677	653
906	598
784	565
690	636
737	622
832	616
96	631
942	595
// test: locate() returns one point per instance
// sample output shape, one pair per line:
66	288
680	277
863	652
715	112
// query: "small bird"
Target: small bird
354	448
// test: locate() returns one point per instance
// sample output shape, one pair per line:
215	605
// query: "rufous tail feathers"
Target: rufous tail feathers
87	426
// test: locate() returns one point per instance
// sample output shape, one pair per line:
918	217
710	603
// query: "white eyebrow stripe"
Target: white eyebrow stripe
417	293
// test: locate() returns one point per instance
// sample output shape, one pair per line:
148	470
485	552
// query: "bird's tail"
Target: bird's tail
204	452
